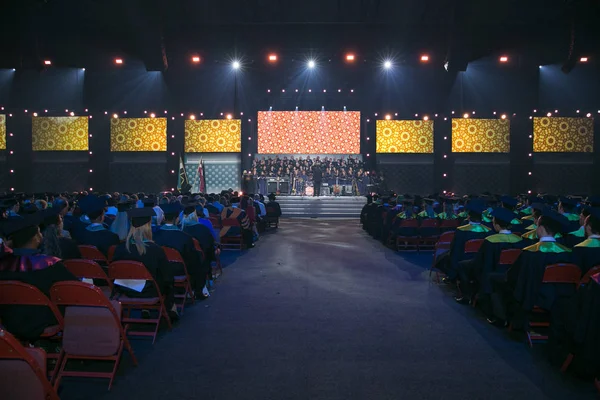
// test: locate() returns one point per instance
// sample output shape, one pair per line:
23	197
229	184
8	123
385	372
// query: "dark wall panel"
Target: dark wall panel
562	173
4	176
139	177
59	176
407	173
477	178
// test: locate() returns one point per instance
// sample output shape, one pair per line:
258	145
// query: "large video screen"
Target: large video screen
414	136
309	132
480	135
59	134
138	134
563	135
213	136
2	132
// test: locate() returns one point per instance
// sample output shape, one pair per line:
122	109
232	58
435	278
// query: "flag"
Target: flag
183	184
201	181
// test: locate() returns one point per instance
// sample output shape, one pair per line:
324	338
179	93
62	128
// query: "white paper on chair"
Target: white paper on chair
87	280
133	284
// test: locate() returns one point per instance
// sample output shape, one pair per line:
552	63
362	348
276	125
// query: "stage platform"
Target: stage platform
321	207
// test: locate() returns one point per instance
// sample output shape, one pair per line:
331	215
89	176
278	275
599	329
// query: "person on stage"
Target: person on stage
317	179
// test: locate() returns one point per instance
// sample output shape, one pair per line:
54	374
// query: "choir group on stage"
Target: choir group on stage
542	231
339	175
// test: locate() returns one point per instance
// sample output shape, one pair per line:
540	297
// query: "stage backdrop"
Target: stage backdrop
414	136
480	135
2	132
309	132
563	135
59	134
138	134
213	136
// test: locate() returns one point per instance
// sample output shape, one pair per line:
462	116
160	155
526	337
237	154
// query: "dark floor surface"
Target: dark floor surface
319	310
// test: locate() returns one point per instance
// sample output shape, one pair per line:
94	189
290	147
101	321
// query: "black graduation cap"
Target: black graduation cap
476	205
509	201
11	226
503	214
540	206
534	199
562	223
10	202
49	216
91	203
171	209
189	208
140	216
124	205
594	201
235	200
149	202
568	201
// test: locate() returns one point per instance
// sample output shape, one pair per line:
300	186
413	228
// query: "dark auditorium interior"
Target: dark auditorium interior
358	199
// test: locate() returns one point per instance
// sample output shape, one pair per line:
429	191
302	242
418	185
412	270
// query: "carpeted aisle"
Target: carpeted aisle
321	311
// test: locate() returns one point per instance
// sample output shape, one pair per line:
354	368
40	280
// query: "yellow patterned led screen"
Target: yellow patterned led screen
213	136
563	135
138	134
59	134
414	136
2	132
480	135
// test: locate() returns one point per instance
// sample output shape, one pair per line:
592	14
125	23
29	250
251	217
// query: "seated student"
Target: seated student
587	253
568	208
448	213
576	236
363	212
473	230
96	234
199	229
240	215
510	203
428	211
477	270
530	237
273	207
210	207
26	264
54	243
523	280
169	235
527	211
120	225
139	247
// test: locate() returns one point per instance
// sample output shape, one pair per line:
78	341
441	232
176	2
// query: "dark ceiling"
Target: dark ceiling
79	32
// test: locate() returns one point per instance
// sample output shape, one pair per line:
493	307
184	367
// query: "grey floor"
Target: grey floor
319	310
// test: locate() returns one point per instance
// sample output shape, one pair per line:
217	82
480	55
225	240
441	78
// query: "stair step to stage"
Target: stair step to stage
321	207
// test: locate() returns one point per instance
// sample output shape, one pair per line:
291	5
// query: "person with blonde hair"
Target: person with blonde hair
139	246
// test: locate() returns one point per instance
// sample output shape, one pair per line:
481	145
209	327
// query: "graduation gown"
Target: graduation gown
486	259
171	236
205	237
462	235
42	271
155	261
68	249
587	254
572	239
99	236
527	273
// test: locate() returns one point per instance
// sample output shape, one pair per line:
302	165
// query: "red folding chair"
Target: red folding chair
181	281
408	238
218	266
235	242
23	371
442	245
111	252
588	276
215	220
562	273
126	269
448	225
88	269
507	258
472	246
92	253
429	234
93	329
15	293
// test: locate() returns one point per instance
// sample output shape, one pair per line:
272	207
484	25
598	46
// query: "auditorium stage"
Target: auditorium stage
321	207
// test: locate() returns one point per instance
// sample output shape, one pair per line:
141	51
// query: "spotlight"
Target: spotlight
192	116
229	116
115	116
48	62
296	108
466	115
387	64
503	116
311	64
235	65
35	114
588	115
72	114
83	69
424	58
195	59
118	61
549	114
350	57
583	59
425	118
272	58
503	59
388	117
322	108
152	115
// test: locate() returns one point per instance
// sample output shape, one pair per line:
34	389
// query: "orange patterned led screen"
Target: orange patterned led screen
563	135
480	135
309	132
213	136
138	134
404	136
2	132
59	134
